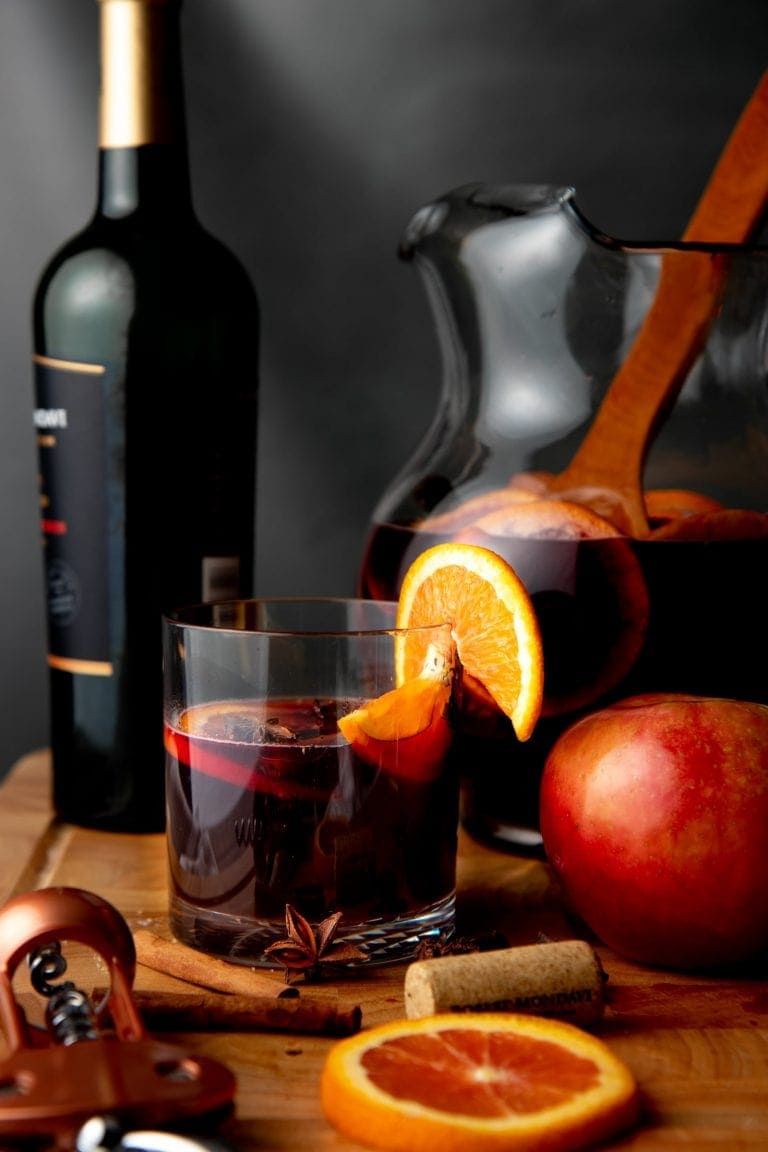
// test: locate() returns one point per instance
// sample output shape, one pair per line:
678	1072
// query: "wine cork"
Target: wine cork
563	979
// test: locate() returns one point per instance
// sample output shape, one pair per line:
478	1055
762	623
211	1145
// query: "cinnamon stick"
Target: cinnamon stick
176	959
203	1011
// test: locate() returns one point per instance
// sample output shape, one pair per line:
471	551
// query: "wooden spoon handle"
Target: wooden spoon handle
675	329
611	454
734	199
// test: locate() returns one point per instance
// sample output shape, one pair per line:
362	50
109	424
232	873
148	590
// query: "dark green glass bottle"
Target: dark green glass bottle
146	343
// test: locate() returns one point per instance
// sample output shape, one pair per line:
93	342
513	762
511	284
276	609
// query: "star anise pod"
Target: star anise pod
306	950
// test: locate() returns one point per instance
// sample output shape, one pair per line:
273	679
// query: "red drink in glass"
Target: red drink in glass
269	805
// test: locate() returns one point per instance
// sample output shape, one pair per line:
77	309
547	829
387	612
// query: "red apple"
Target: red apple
654	817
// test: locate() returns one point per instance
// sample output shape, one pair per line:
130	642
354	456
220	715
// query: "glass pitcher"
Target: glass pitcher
535	311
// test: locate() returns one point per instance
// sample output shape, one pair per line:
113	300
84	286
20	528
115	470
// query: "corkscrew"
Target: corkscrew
92	1072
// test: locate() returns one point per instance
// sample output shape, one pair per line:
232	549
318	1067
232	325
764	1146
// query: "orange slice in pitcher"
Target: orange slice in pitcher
663	504
604	501
493	623
473	508
484	1082
544	518
725	524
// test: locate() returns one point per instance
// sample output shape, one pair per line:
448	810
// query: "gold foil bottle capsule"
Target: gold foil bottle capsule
563	979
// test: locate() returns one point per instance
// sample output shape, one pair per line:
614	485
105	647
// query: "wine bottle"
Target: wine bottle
145	342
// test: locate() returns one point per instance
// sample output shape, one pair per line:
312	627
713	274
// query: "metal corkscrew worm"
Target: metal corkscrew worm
69	1013
74	1081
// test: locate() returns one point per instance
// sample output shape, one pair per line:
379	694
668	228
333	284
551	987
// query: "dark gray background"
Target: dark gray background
317	127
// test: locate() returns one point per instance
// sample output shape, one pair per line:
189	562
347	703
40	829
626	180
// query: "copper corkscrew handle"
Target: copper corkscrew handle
57	1080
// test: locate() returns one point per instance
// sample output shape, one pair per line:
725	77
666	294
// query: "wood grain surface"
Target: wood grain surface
697	1045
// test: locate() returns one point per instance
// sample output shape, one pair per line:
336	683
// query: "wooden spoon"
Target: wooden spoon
607	468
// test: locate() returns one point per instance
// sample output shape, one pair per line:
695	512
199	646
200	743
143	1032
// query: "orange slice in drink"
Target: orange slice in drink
406	731
493	623
485	1082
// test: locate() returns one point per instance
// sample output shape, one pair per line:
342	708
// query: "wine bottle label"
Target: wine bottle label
74	499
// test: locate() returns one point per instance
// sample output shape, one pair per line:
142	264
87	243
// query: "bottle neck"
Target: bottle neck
143	159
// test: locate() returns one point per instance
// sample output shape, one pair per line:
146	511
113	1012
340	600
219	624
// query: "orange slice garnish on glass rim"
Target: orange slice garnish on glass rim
593	648
494	637
493	623
482	1082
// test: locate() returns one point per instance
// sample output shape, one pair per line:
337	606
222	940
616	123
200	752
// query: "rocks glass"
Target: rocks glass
269	808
